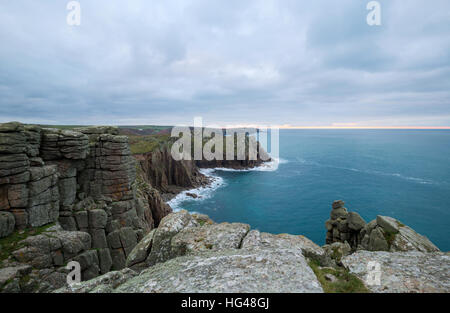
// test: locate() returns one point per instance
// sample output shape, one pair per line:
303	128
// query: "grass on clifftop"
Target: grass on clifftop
12	242
346	282
145	144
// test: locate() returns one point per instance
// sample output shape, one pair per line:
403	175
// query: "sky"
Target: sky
254	62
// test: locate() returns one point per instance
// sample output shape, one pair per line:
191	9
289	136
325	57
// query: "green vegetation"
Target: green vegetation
345	283
336	255
62	126
12	242
389	236
400	224
146	143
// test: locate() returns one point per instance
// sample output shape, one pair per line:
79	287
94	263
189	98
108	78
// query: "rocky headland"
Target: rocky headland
81	195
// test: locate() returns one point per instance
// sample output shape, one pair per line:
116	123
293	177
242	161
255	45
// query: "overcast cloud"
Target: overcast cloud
232	62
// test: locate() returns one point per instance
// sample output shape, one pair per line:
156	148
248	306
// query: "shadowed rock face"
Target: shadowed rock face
170	176
83	179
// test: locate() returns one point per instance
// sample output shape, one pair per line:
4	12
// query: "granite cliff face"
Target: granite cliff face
85	181
170	177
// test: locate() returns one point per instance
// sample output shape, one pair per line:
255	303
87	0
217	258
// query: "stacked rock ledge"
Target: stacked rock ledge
85	181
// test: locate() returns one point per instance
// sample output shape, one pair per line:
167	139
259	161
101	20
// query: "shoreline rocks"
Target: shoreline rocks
382	234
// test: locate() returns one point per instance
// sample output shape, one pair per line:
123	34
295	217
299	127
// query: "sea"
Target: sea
400	173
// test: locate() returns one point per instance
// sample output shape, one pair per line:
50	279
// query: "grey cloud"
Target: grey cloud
275	62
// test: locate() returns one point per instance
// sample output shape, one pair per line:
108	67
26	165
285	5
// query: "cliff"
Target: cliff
69	195
171	177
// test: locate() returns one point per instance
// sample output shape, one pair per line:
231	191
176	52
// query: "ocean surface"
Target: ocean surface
400	173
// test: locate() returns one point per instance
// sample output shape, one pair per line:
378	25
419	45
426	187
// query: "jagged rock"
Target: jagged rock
337	204
141	250
402	271
383	234
168	228
377	240
202	219
337	250
355	221
9	273
7	223
389	224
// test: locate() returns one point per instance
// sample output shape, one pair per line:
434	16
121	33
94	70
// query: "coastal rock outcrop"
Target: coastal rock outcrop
189	253
382	234
82	179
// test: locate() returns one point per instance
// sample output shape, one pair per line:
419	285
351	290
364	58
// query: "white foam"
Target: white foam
202	192
264	167
217	182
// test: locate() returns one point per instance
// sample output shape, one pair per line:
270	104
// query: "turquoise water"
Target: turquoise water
400	173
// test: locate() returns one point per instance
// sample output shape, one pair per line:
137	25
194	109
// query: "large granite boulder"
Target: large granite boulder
261	240
170	226
209	237
404	272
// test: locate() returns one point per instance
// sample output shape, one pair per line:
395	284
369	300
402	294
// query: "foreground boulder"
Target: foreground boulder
228	271
190	253
232	270
401	271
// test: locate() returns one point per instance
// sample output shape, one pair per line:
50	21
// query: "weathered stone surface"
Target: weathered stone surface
355	221
98	238
408	240
389	224
128	239
337	250
105	260
102	284
170	225
258	240
228	271
97	218
403	271
7	223
67	191
9	273
118	258
87	259
209	237
141	250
